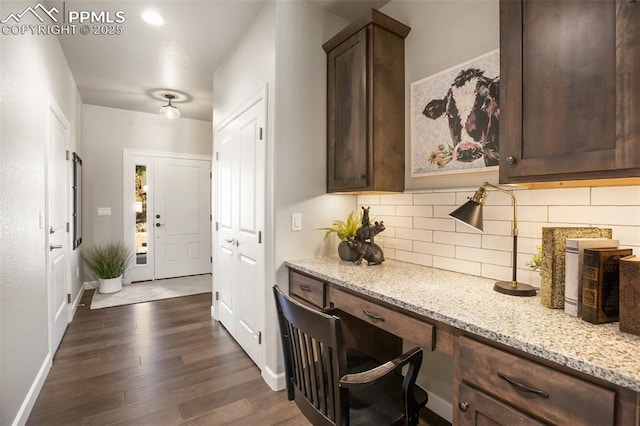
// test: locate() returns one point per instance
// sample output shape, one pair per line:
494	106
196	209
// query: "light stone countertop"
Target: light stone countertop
469	303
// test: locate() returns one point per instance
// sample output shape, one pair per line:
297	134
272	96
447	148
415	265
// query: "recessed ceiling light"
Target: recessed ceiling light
152	17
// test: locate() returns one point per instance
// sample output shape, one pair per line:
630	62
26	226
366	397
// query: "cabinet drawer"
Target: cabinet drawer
387	319
308	289
553	396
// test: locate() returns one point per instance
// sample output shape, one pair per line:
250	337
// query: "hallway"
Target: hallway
157	363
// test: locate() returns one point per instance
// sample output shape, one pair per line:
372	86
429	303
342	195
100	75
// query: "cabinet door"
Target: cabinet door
348	147
478	408
569	93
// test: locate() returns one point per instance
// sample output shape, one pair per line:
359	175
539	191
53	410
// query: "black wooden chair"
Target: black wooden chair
332	387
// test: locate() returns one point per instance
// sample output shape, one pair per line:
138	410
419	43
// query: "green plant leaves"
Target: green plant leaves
108	260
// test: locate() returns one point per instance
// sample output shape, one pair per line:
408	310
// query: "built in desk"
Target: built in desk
515	361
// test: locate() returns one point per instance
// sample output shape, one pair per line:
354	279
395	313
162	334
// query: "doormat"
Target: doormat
153	290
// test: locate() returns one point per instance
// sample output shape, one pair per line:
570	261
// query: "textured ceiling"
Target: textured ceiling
134	69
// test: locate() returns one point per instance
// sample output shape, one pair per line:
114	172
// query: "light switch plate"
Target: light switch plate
296	221
104	211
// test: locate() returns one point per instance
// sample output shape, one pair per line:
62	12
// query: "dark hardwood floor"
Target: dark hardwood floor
157	363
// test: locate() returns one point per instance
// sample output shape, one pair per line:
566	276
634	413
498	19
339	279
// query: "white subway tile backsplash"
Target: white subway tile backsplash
414	234
443	211
497	198
532	229
457	239
435	223
415	211
389	231
397	243
496	272
397	221
628	235
462	197
434	248
529	246
493	227
420	230
495	242
553	197
498	212
494	257
419	258
368	200
397	199
375	211
389	253
457	265
533	213
435	199
596	215
616	196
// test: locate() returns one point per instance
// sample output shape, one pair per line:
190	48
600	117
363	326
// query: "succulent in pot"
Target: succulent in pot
345	230
109	262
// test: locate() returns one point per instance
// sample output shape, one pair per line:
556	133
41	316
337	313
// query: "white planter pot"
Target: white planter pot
110	285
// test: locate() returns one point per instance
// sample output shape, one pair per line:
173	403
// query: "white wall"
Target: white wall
444	33
32	68
106	133
282	50
301	143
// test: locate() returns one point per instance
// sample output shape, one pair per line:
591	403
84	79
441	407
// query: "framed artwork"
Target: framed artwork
455	118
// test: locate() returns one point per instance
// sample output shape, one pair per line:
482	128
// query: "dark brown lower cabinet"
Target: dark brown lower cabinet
478	408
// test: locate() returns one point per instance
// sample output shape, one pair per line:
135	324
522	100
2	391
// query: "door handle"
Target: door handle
233	241
52	247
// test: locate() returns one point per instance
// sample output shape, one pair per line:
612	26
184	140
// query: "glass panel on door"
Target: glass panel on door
141	215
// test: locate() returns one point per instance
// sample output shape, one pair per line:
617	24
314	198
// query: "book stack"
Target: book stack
630	294
553	261
573	270
601	284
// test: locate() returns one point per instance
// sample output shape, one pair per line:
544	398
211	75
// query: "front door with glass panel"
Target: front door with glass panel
167	215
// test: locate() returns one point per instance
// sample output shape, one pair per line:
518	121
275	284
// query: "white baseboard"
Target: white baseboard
74	305
90	285
441	407
31	397
275	381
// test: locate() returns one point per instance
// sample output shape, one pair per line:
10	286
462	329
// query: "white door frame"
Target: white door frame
260	95
54	108
131	158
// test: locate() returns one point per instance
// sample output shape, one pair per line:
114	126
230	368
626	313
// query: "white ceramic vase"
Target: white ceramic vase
110	285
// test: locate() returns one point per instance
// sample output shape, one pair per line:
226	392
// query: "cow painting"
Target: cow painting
472	108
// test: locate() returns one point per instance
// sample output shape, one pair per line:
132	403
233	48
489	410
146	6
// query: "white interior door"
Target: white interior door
181	217
57	218
227	185
240	277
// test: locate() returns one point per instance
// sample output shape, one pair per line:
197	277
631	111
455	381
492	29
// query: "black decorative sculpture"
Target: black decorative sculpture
362	245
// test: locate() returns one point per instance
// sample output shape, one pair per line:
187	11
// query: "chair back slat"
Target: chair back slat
312	358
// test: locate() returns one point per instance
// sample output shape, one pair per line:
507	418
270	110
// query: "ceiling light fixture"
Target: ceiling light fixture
152	17
168	110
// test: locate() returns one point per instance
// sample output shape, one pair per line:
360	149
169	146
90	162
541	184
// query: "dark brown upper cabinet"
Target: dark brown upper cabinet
365	106
570	90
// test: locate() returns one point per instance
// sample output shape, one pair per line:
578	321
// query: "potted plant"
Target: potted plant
108	262
345	230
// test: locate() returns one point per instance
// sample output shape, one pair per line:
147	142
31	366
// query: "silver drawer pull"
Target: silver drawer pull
523	388
305	288
373	316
